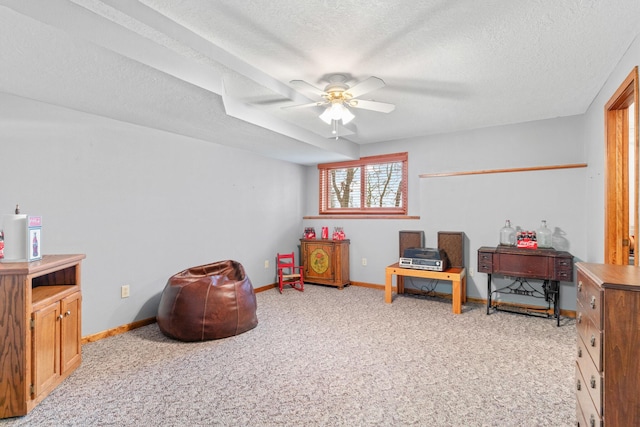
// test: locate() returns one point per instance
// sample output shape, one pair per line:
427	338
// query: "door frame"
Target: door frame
616	238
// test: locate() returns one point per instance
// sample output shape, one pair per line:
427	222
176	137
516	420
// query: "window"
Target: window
370	185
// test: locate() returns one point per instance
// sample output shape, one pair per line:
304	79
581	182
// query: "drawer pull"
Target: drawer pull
593	381
579	351
578	385
579	317
593	341
579	285
593	302
592	421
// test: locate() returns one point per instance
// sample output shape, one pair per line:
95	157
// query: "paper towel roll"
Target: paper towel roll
15	238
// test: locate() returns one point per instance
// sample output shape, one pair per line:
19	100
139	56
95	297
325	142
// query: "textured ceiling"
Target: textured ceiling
220	70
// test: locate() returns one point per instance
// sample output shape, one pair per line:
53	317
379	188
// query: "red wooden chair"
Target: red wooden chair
289	273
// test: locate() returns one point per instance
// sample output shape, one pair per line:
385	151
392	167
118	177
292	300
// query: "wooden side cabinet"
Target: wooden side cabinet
326	262
40	328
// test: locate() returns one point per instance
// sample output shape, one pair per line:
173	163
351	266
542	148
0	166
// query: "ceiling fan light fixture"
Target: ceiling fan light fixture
339	97
347	116
326	116
337	111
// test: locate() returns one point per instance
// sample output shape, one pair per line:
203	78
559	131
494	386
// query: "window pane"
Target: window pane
383	185
345	188
369	185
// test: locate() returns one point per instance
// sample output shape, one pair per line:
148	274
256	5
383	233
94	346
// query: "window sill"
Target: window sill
361	216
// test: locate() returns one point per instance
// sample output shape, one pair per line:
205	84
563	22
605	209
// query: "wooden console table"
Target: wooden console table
548	265
457	277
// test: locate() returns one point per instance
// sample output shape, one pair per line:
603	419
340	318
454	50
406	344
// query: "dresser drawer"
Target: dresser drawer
564	269
581	419
591	376
564	275
590	338
586	412
590	298
485	262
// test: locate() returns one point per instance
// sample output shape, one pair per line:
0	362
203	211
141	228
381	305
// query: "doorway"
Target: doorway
621	174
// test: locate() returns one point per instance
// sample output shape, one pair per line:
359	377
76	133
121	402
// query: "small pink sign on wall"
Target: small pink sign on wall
34	238
34	221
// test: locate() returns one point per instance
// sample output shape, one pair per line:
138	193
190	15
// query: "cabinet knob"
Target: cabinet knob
593	381
592	421
60	316
579	351
578	385
593	341
68	313
579	317
593	302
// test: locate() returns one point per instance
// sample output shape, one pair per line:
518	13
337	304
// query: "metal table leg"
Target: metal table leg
488	292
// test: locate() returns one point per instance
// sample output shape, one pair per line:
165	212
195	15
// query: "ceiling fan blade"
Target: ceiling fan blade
307	87
366	86
312	104
381	107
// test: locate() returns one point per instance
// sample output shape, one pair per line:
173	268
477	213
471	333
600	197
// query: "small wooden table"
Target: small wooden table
457	277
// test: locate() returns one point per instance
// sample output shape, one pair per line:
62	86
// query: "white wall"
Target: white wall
477	204
142	204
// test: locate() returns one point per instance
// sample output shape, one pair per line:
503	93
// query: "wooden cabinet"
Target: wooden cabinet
40	328
607	373
326	262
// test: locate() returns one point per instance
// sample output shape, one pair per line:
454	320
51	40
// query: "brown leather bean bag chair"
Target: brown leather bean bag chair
208	302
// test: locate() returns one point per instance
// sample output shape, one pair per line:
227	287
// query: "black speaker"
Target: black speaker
452	243
411	239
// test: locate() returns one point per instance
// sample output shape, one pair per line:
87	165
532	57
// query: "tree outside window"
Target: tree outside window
371	185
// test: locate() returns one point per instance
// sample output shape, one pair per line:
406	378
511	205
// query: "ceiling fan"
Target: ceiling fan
338	97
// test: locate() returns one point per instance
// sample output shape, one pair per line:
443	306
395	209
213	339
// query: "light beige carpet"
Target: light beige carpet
327	357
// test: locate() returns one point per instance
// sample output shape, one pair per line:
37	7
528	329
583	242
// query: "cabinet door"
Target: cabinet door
319	262
46	347
70	351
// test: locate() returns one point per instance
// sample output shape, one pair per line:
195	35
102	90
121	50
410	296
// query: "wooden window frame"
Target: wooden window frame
324	189
617	172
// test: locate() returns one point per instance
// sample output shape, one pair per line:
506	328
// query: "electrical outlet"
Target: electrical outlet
266	263
124	291
364	261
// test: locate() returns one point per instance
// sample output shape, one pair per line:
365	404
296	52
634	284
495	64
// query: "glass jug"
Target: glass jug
544	236
507	235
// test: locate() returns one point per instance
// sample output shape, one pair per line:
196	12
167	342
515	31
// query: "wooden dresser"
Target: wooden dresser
608	346
326	262
40	329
